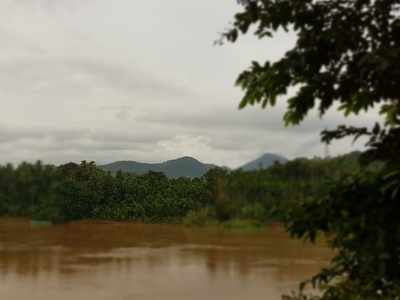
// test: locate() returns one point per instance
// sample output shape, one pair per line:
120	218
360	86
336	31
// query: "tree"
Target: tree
347	55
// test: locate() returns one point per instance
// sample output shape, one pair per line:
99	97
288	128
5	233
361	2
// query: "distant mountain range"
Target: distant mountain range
187	166
264	162
181	167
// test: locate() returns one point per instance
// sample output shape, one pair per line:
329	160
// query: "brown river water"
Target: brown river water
124	261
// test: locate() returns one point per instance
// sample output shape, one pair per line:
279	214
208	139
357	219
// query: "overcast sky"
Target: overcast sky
137	80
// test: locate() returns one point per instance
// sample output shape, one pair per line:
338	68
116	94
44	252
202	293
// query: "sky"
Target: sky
139	80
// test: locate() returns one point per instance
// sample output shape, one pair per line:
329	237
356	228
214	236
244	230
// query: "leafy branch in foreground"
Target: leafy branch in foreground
347	55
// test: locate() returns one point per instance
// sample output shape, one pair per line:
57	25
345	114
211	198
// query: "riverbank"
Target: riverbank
234	224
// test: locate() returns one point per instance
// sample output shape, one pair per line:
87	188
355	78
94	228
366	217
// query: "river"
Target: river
126	261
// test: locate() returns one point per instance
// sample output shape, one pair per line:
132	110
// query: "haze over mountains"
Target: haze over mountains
187	166
264	162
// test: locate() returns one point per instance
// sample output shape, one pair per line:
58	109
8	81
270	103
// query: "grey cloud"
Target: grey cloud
103	80
251	121
17	134
79	75
35	141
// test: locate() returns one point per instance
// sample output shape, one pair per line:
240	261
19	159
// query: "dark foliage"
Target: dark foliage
74	192
347	55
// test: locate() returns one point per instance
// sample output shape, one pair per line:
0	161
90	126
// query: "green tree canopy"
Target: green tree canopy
346	55
347	52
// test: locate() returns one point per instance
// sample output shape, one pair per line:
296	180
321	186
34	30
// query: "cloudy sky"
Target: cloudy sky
137	80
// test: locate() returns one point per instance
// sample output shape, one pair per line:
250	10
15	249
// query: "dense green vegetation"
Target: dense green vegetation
267	195
74	192
346	56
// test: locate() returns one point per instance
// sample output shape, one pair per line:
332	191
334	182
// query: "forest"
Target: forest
74	192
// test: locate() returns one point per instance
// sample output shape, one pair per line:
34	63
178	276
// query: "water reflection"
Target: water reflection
135	261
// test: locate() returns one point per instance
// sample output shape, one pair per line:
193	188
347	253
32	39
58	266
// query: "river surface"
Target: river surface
124	261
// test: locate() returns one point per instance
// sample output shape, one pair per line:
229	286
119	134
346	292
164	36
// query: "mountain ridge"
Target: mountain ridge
264	162
181	167
187	166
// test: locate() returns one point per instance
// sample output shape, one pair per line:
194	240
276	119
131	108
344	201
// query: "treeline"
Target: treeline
74	192
267	195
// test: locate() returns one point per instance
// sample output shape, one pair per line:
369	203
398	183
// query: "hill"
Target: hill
181	167
264	162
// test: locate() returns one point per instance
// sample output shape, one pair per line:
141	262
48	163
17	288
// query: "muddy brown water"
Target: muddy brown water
124	261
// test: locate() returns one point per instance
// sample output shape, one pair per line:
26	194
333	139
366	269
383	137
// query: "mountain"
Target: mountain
181	167
264	162
187	166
